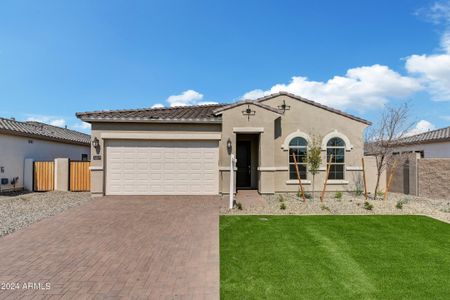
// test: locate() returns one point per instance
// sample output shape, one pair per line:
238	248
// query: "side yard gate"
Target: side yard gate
79	176
43	176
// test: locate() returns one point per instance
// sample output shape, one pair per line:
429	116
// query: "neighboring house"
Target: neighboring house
431	144
38	141
186	150
424	168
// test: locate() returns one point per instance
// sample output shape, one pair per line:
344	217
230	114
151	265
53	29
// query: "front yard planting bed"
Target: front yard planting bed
334	257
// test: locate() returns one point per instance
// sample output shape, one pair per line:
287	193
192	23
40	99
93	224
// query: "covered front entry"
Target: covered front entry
151	167
247	154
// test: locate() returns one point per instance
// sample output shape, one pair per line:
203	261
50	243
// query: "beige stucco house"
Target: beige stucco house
187	150
28	141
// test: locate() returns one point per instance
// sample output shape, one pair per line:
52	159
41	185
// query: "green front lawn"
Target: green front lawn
334	257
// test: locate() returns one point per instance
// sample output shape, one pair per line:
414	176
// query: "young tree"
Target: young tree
314	159
382	139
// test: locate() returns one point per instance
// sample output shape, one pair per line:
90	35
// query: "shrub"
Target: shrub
324	207
307	195
239	205
282	206
400	203
380	194
358	191
280	198
338	195
368	206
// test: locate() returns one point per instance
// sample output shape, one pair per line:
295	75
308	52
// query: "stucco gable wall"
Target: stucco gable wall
312	120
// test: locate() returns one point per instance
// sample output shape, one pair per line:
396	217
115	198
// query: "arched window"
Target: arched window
336	147
299	147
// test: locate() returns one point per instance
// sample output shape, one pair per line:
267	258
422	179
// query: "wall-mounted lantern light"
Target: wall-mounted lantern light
229	146
95	143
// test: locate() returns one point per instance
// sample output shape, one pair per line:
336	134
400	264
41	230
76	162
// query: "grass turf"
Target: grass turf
334	257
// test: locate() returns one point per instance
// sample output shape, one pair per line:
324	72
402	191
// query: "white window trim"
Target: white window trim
294	134
333	134
288	158
342	164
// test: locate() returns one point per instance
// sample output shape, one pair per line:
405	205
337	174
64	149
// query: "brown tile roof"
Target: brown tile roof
336	111
195	113
438	135
43	131
247	102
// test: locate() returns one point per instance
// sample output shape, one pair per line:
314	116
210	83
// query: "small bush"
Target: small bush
358	191
282	206
307	195
399	204
338	195
280	198
324	207
368	206
239	205
380	194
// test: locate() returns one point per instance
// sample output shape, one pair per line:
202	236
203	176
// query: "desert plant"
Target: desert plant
324	207
338	195
399	204
380	194
308	196
314	159
358	191
382	139
280	198
368	206
239	205
282	206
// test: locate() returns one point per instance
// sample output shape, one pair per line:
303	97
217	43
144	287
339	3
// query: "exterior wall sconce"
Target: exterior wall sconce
229	146
95	143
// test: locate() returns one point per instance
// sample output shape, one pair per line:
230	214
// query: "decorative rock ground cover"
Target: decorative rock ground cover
348	204
22	210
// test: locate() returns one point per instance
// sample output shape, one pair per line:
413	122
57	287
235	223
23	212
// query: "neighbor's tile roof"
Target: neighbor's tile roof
43	131
197	113
438	135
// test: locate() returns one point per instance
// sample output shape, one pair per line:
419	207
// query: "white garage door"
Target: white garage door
162	167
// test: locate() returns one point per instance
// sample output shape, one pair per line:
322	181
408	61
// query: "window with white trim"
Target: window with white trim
299	147
336	147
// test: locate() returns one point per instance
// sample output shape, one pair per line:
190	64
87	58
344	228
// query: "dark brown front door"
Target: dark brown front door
243	155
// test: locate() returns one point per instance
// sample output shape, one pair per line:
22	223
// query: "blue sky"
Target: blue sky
60	57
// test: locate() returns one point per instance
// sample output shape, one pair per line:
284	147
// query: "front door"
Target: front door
243	155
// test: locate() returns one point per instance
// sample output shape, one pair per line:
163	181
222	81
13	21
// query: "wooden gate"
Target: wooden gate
80	176
43	176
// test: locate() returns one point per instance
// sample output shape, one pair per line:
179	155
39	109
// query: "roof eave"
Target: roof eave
136	120
43	137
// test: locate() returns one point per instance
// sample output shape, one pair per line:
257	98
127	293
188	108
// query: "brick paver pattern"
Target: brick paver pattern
119	248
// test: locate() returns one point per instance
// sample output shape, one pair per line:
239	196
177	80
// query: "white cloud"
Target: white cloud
158	105
421	126
434	70
55	121
81	126
189	97
438	13
360	88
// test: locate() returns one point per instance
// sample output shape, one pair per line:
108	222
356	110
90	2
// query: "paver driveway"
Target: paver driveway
119	247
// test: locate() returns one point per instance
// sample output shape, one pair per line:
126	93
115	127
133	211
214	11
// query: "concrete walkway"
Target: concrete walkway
118	247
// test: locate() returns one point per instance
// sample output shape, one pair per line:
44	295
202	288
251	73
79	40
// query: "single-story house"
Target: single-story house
430	144
38	141
187	150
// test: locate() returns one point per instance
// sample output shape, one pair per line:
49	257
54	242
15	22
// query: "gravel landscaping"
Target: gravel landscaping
19	211
348	204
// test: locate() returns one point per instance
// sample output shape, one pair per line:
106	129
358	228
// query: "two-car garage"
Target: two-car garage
162	167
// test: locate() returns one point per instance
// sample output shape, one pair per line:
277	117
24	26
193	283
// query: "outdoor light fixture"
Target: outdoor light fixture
95	143
248	112
229	146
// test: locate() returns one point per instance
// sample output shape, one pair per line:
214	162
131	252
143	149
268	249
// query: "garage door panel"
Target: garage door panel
161	167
